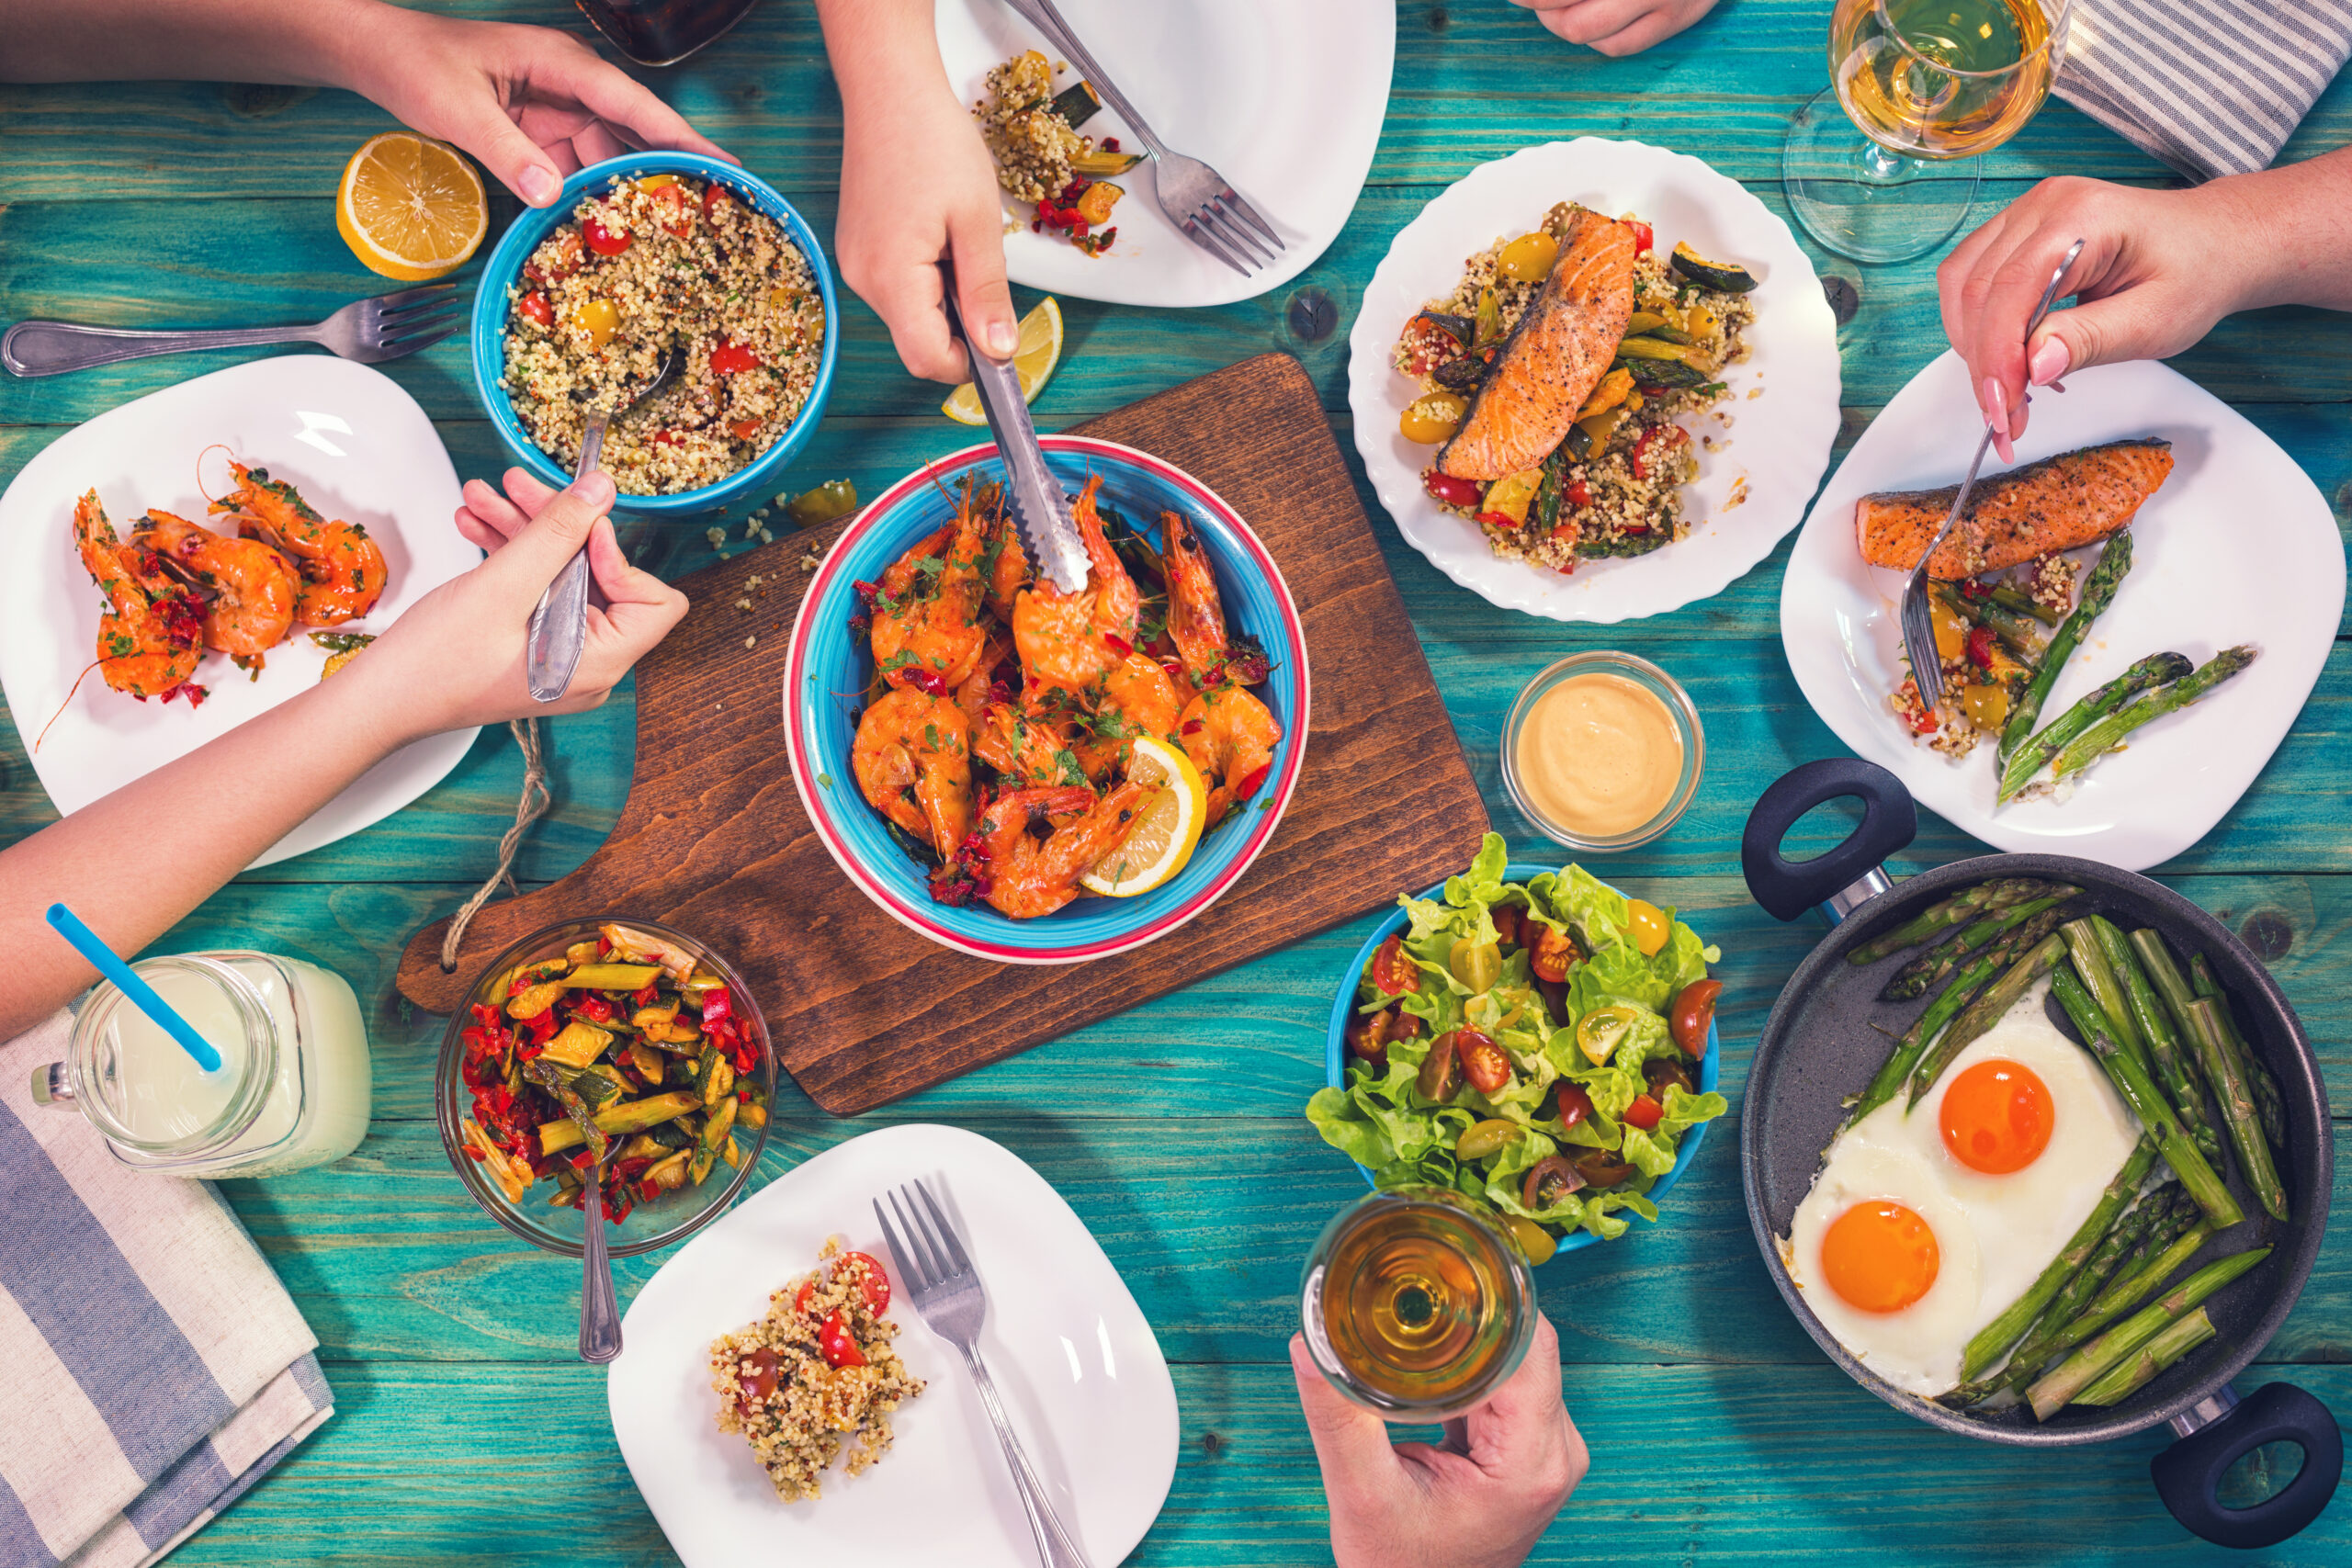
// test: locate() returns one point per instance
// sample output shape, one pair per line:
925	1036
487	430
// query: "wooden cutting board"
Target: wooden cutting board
713	839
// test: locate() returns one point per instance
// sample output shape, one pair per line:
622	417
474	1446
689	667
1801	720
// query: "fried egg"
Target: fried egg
1924	1225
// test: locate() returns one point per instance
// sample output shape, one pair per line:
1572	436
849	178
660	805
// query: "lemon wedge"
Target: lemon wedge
1166	830
1039	350
411	208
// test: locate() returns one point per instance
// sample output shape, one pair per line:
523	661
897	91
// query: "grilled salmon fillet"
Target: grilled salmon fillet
2056	505
1553	358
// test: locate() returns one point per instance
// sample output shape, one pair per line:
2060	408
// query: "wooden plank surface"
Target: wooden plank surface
1719	1433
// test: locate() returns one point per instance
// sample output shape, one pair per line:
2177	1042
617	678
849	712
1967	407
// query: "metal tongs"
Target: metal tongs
1039	505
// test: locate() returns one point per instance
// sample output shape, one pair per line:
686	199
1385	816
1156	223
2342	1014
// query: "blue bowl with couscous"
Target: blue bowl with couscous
502	285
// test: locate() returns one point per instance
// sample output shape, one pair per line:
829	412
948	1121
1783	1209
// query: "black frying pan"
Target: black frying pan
1820	1046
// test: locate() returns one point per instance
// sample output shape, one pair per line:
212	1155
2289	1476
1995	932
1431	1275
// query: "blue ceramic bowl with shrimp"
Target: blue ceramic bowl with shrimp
504	268
1343	1006
829	667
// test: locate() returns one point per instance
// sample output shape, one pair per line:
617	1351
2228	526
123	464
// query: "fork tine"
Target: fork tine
933	1264
1233	199
400	348
412	326
910	1269
953	1244
1246	245
1199	233
949	1268
439	303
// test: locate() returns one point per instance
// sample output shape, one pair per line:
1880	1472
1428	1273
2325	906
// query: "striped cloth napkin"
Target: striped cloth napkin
157	1369
2210	86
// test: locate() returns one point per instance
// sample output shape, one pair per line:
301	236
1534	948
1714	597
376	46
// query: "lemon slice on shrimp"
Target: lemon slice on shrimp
1166	828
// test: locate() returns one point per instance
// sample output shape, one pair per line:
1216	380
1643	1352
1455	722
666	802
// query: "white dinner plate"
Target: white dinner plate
2236	546
1067	1346
1283	99
356	445
1755	472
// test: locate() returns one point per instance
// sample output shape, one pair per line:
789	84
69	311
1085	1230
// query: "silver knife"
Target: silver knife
1040	506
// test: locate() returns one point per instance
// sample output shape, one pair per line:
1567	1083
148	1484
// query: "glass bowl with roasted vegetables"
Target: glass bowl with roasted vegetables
1531	1039
621	1040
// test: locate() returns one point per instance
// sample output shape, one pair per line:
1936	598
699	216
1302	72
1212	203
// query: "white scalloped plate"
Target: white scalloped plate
2237	546
1778	441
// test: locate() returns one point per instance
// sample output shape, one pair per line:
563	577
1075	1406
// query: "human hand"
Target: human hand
532	104
456	659
917	186
2158	268
1617	27
1410	1506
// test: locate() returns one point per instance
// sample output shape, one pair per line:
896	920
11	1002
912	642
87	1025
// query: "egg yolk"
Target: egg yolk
1997	1117
1879	1257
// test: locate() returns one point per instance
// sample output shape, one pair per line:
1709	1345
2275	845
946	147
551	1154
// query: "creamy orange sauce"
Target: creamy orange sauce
1600	755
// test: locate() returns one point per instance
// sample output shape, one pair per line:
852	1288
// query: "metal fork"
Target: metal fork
1918	621
947	1297
1196	197
389	326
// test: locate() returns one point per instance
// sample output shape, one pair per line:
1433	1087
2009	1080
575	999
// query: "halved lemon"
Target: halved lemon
411	208
1039	350
1163	838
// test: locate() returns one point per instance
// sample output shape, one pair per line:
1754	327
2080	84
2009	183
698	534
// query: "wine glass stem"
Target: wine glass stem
1884	166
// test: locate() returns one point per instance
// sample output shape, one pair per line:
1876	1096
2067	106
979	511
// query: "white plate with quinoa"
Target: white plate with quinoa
1072	1355
354	443
1760	446
1285	100
2237	546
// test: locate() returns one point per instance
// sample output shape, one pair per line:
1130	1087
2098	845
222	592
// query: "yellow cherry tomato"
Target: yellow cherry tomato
598	318
1534	1240
1433	418
1599	1031
1988	707
1478	964
1650	927
1529	258
655	182
1951	631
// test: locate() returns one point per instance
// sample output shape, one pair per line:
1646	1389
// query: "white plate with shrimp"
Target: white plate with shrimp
356	445
1761	453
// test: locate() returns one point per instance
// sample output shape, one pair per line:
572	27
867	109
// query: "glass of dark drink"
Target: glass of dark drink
663	32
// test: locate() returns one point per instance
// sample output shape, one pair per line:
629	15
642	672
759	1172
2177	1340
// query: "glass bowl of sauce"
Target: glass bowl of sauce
1602	751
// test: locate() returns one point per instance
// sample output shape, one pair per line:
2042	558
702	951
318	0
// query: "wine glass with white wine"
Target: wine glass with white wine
1877	167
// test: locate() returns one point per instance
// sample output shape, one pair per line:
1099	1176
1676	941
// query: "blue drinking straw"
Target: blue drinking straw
126	980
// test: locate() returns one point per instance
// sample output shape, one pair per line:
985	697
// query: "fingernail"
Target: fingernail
539	184
1003	341
2049	363
594	486
1996	408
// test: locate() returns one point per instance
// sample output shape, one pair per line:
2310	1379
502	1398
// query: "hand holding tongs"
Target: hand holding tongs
1040	506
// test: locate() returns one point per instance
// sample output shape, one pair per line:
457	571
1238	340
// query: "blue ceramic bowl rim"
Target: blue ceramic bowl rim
523	236
1116	925
1343	1005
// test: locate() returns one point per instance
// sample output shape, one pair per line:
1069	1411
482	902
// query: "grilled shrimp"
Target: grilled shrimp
913	757
1026	748
1195	612
1231	737
1028	876
341	570
1136	698
150	633
1068	641
927	631
253	590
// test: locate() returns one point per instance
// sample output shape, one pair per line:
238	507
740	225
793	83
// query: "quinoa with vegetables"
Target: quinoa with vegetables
650	261
1610	488
815	1375
1041	158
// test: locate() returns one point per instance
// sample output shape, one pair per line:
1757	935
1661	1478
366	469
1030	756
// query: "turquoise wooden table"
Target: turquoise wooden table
467	1432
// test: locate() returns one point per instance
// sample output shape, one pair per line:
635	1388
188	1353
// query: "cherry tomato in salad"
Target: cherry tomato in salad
757	1384
731	357
836	1342
1367	1037
715	197
1553	953
1599	1031
1392	971
1549	1180
674	209
800	1302
534	307
1570	1103
1451	491
1440	1070
742	429
1508	920
557	259
1662	1073
1649	927
873	1285
1484	1063
1691	1014
1644	1113
603	240
1579	493
1644	237
1600	1168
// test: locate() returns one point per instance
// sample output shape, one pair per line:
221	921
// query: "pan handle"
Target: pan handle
2188	1474
1787	889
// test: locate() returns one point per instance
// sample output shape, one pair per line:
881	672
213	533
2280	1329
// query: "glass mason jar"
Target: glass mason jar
291	1090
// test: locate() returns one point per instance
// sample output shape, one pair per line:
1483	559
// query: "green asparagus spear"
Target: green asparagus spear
2145	1228
2230	1088
2098	592
2134	1285
2084	1368
1930	1024
2166	1052
2026	760
1986	1010
2017	633
2092	967
2267	1103
2009	596
1914	978
1960	908
2108	733
2139	1092
2128	1376
1996	1337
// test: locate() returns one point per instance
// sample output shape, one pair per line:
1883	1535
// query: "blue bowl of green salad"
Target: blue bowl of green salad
1531	1039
